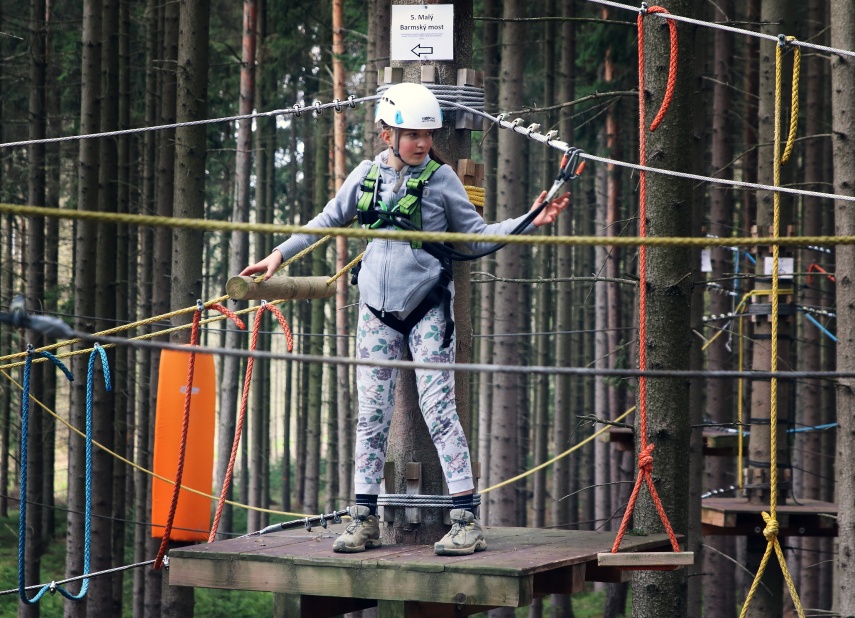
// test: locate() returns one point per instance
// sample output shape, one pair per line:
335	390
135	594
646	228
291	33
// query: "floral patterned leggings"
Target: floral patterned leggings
376	399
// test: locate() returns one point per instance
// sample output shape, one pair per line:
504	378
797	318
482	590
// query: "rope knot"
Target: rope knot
771	529
645	459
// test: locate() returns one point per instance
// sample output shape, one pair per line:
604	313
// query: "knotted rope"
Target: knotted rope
256	324
645	458
771	529
188	391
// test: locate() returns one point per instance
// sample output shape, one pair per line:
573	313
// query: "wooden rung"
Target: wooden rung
279	288
642	559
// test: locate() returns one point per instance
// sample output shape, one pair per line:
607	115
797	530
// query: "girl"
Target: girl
405	295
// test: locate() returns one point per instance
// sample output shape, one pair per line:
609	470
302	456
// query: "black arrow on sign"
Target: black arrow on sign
418	50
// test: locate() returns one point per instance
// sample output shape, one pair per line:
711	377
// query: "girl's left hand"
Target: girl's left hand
550	212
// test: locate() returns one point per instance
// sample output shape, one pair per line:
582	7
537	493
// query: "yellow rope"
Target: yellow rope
794	112
739	405
741	306
475	194
356	232
339	274
771	529
140	468
557	457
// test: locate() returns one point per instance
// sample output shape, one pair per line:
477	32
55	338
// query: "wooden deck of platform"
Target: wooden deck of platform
520	564
736	517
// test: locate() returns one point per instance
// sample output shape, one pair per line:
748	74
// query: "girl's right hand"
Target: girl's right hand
268	264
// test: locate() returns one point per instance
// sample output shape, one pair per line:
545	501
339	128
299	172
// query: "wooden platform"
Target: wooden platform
735	516
520	564
716	443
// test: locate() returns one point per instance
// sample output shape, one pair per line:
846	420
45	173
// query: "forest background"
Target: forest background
68	68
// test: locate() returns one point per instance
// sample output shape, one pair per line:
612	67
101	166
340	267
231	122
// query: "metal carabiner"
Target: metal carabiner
567	170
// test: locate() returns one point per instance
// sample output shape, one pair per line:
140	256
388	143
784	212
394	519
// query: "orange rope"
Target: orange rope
256	323
814	267
645	458
188	391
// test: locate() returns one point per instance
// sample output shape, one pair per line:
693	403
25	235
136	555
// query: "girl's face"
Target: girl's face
413	144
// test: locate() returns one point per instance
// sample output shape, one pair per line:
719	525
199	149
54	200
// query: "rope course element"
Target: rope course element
85	578
421	500
185	424
22	525
645	459
256	324
449	93
709	24
771	529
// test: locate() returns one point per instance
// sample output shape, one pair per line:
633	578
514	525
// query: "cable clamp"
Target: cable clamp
52	588
338	108
351	101
323	521
200	306
308	525
336	518
30	350
643	9
532	128
551	135
517	122
317	108
263	303
166	562
96	345
500	119
782	40
297	107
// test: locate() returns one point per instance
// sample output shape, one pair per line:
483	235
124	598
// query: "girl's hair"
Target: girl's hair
432	152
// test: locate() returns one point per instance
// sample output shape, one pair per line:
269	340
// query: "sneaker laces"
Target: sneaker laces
458	526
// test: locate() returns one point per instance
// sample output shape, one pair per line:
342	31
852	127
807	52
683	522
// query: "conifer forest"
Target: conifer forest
696	295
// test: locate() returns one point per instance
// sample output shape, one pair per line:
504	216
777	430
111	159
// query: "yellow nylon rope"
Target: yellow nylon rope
771	529
140	468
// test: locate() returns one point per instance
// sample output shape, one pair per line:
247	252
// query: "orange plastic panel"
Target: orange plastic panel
193	511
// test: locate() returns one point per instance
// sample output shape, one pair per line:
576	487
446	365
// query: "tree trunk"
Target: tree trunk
142	482
669	213
843	130
509	195
563	479
6	342
188	202
749	132
36	543
486	317
719	586
84	283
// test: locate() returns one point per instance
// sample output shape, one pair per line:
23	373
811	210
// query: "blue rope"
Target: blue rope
22	527
821	327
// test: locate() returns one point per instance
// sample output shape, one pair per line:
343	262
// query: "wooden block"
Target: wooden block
566	580
414	487
391	75
718	518
428	74
470	77
641	559
607	575
309	606
469	122
387	513
470	173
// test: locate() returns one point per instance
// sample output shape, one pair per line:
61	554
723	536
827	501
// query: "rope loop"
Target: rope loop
672	67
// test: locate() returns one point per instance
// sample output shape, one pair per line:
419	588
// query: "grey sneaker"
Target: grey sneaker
362	533
465	536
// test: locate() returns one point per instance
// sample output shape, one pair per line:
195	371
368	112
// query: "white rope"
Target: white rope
297	109
710	24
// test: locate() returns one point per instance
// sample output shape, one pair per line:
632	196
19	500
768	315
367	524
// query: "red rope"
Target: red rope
819	268
645	458
256	323
188	391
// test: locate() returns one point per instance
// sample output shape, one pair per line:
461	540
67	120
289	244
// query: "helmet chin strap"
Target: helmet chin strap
395	147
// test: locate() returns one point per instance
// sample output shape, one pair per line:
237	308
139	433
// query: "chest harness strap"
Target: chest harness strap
373	214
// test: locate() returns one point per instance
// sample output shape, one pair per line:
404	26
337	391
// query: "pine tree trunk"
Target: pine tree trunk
142	482
6	342
719	585
509	196
84	283
492	57
843	129
36	541
669	213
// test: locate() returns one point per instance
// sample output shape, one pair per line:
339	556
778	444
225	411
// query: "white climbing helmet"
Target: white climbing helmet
409	106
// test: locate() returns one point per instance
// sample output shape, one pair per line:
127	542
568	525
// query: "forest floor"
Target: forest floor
210	603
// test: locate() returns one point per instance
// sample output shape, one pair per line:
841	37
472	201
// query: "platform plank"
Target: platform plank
518	565
716	443
736	516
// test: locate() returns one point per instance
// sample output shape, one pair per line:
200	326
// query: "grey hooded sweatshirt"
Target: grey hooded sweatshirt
394	276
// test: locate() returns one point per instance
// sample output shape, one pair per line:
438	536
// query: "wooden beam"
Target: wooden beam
641	559
279	288
566	580
416	609
308	606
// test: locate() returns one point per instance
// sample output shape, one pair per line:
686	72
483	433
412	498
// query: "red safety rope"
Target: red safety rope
645	459
819	268
242	414
188	391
